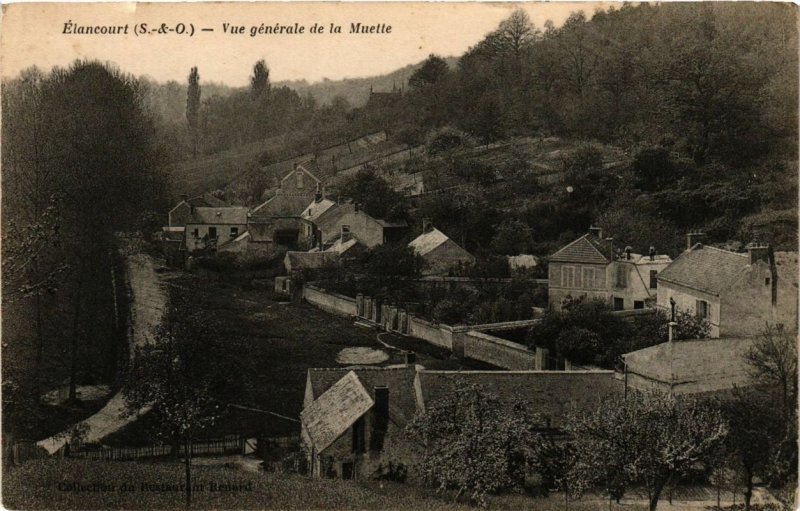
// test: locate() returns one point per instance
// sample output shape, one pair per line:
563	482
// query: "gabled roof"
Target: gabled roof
428	241
338	408
552	394
340	247
305	167
707	269
282	204
692	366
398	379
227	215
317	208
586	249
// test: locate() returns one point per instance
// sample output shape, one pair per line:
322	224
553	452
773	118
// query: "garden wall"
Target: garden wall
329	301
498	352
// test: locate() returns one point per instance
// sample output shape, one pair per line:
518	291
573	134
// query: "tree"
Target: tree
475	445
193	108
754	434
645	438
773	361
512	237
432	71
173	376
259	82
374	194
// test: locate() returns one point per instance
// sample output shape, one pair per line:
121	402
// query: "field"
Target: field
52	484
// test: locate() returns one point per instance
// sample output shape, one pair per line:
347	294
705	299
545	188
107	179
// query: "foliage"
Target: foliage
432	71
773	361
374	194
647	439
193	108
512	237
259	82
474	445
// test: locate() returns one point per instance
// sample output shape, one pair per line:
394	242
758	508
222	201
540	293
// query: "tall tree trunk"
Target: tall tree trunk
188	464
656	494
748	488
73	371
39	347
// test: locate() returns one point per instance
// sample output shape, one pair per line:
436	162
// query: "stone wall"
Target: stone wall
498	352
329	301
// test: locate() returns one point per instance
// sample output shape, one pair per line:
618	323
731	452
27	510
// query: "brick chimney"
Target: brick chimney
758	252
597	232
427	225
694	237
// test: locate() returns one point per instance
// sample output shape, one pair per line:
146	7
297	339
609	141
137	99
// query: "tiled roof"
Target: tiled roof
428	241
229	215
335	410
706	269
398	379
691	366
548	393
586	249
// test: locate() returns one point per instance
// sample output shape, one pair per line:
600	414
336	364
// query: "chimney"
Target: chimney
758	252
345	233
652	253
597	232
427	226
410	357
380	418
356	207
693	237
628	250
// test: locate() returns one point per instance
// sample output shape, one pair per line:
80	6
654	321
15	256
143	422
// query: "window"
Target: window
196	233
619	304
653	279
766	281
212	233
622	275
568	276
588	278
234	232
702	309
638	304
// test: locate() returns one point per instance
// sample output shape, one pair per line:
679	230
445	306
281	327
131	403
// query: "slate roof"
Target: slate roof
586	249
338	408
207	200
692	366
552	394
399	380
705	268
428	241
228	215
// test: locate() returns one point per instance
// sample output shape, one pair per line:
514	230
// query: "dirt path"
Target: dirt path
148	301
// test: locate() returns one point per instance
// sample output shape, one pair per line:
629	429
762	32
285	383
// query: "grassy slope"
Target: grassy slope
35	485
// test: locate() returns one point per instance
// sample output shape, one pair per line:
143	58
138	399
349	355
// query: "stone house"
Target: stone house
440	253
589	267
181	214
353	418
737	293
343	221
207	228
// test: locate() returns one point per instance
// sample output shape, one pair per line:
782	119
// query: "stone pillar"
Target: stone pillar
540	363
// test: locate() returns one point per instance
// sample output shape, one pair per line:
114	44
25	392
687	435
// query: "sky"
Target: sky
33	34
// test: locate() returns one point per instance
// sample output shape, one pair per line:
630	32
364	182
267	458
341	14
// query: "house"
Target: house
172	245
439	252
353	418
589	267
697	366
350	220
737	293
180	215
208	227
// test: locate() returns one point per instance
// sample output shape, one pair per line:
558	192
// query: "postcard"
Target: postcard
399	255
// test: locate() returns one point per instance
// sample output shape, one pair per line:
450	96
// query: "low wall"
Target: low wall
329	301
438	335
498	352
